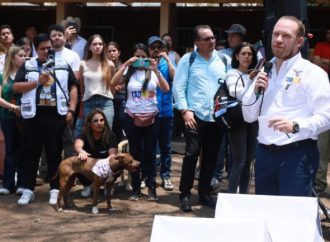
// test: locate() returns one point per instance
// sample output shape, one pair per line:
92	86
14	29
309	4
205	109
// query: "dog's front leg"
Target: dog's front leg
108	187
96	188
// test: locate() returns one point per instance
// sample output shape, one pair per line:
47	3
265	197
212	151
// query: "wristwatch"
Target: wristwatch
295	127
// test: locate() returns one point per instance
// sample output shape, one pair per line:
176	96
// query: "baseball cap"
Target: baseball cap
236	28
154	39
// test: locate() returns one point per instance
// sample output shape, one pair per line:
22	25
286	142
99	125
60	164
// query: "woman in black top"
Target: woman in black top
97	141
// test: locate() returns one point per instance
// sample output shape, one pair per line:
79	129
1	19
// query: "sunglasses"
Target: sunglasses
99	120
153	47
210	38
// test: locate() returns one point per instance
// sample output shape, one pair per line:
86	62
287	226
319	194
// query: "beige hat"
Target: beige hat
64	22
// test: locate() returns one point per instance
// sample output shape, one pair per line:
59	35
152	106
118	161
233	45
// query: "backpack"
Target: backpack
227	110
221	55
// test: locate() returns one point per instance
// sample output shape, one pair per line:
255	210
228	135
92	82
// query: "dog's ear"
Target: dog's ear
119	156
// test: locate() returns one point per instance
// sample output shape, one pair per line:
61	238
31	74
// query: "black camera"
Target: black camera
51	54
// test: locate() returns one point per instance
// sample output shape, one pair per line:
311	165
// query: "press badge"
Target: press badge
26	107
292	80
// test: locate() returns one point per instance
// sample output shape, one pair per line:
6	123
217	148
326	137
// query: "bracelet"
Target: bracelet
37	84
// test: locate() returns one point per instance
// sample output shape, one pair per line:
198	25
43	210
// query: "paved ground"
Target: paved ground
132	221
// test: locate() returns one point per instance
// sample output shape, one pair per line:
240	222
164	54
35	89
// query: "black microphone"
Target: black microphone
267	68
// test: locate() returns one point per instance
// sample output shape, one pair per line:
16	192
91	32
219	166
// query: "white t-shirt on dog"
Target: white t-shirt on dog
102	168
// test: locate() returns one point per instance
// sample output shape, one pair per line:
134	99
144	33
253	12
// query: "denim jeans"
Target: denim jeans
164	133
207	137
288	171
103	103
12	154
243	141
145	153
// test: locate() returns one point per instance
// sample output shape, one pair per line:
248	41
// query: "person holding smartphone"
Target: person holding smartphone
73	39
141	81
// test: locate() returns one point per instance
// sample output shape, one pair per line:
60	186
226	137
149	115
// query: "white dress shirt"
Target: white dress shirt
300	91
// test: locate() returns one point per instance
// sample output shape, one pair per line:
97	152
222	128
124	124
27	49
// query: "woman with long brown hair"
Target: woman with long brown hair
96	72
15	57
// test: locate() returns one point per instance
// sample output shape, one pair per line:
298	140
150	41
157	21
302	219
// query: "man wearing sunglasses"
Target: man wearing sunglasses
194	87
164	119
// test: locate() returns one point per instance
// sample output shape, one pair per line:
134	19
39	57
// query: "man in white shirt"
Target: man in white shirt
6	40
292	110
56	33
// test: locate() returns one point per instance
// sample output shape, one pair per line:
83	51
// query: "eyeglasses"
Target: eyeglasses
153	47
101	120
210	38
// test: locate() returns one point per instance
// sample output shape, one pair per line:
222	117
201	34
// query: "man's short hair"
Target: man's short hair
6	26
301	27
56	27
40	38
196	31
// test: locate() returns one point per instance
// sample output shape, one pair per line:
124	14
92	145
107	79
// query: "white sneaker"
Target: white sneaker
26	198
215	183
86	192
19	191
167	184
53	196
4	191
143	184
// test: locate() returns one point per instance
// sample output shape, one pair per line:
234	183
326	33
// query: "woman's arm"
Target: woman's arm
117	78
8	105
78	147
162	83
170	65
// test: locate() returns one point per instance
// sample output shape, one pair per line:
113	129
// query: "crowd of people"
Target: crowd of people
60	92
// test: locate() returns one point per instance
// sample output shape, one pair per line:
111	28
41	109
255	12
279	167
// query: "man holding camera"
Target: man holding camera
49	98
164	119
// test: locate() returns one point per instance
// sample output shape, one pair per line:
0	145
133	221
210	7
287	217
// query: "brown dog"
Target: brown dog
72	166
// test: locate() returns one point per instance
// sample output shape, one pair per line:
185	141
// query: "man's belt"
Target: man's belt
273	147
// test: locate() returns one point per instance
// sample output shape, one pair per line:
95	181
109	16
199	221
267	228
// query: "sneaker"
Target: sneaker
86	192
53	196
143	184
152	195
26	198
136	194
167	184
19	191
4	191
215	183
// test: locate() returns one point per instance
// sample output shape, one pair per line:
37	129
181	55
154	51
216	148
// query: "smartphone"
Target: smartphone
72	23
141	63
51	54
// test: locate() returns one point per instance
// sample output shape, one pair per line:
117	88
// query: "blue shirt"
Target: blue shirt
164	99
194	87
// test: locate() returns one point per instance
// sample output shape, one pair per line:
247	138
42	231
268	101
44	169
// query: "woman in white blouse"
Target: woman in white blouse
243	139
141	78
96	72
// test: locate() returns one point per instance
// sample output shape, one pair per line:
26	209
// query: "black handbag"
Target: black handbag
227	111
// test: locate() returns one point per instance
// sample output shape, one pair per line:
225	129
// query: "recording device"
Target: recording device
72	23
50	59
267	68
141	63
